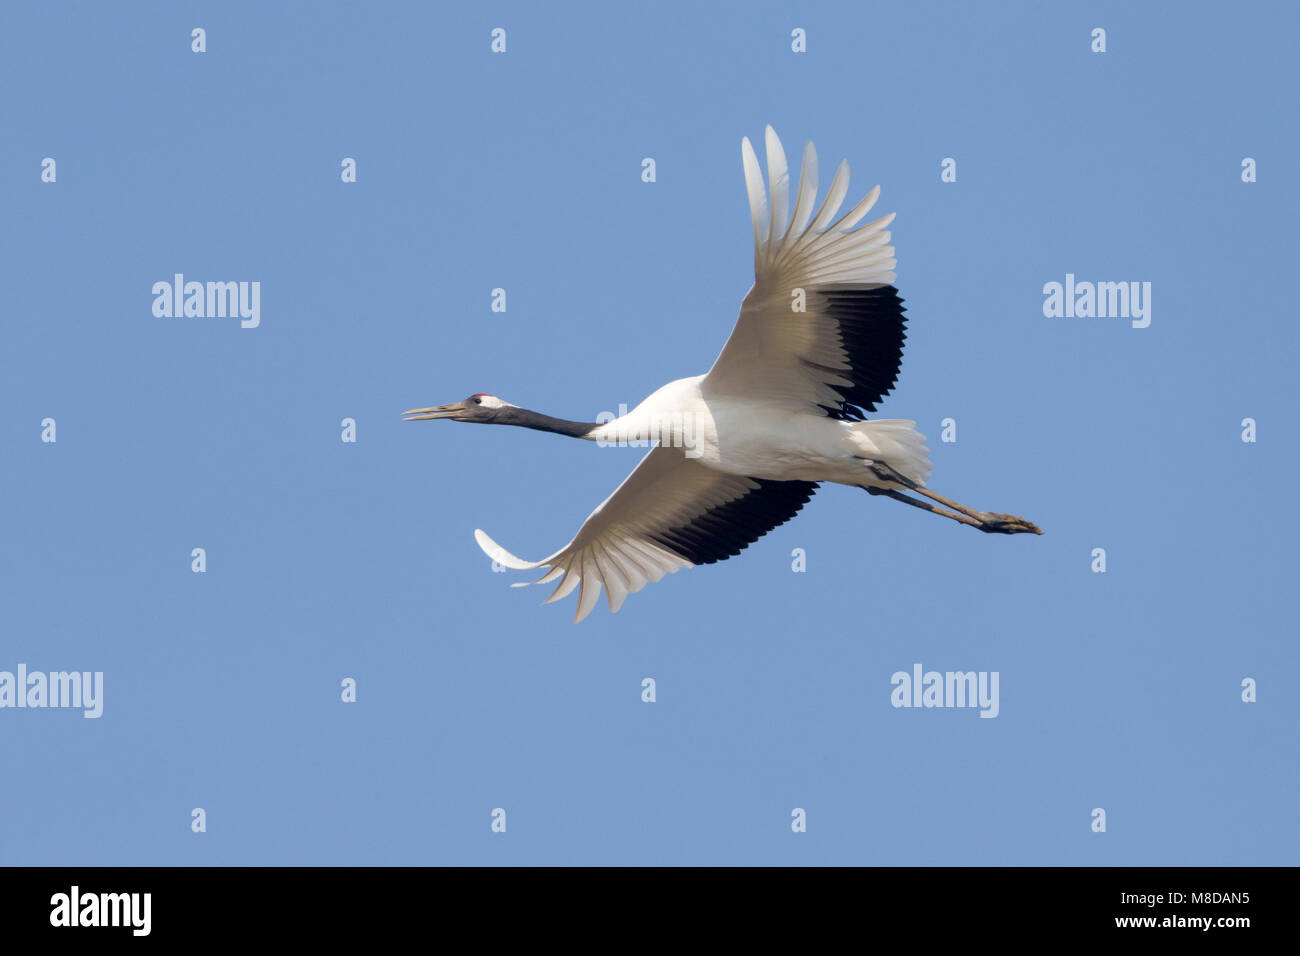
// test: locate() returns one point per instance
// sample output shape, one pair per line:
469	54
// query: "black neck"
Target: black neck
543	423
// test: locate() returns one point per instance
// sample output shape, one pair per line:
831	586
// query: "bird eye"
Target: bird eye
478	401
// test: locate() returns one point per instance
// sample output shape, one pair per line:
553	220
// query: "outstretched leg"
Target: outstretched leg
988	521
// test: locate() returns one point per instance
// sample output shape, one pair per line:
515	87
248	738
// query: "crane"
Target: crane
741	449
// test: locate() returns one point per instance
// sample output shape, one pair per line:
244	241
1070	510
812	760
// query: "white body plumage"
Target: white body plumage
769	439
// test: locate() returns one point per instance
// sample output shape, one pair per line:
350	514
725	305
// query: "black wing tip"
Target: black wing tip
873	330
725	531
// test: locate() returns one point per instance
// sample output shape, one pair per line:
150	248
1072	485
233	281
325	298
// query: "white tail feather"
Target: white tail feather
899	445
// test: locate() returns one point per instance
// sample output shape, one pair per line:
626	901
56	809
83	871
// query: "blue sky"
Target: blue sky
522	171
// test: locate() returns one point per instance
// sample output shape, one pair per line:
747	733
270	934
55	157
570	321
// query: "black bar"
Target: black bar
369	904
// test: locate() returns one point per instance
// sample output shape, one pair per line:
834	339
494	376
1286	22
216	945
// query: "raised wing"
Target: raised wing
670	513
842	352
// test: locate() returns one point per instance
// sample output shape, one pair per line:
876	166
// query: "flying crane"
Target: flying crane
741	449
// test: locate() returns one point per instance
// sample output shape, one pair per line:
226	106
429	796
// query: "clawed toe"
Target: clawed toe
993	523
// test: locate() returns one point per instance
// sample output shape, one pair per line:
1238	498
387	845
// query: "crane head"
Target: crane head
480	407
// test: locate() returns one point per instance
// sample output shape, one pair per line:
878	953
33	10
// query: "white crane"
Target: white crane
739	450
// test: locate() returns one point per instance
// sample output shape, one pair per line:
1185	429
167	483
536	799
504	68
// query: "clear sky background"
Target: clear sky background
328	560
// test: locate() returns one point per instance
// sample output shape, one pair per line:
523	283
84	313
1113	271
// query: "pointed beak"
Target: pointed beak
433	411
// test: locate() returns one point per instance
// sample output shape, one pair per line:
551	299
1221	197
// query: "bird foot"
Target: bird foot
992	522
